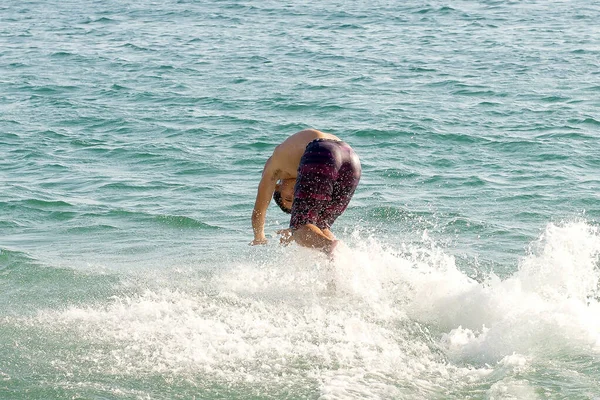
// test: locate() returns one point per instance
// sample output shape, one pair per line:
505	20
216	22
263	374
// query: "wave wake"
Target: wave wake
400	322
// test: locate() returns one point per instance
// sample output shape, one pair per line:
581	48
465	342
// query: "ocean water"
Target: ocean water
132	138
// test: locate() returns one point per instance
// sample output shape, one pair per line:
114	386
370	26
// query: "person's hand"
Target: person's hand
258	241
286	236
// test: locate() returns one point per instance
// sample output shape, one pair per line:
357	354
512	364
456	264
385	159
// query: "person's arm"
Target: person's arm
266	187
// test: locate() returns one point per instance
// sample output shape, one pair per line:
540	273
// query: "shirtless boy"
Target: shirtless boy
312	175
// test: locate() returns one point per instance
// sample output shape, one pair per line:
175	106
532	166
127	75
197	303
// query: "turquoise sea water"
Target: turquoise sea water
132	137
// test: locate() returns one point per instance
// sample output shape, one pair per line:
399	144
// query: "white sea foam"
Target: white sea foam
403	322
512	390
549	303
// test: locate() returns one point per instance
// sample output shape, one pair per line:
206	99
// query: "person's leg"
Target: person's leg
343	187
328	233
312	236
313	191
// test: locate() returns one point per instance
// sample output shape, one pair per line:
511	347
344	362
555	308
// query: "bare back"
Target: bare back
283	164
286	157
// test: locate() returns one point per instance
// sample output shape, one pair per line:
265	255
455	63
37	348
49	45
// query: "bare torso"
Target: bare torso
283	165
286	157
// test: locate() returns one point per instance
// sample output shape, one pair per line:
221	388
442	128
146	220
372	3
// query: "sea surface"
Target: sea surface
132	139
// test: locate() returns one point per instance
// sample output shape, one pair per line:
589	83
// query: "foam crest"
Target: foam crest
563	263
551	298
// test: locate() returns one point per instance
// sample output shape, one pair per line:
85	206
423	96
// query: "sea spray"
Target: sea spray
552	298
400	322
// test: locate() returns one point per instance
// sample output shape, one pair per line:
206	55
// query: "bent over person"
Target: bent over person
312	175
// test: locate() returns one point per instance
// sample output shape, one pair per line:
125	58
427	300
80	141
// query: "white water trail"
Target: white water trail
401	322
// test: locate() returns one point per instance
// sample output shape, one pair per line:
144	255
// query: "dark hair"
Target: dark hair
279	201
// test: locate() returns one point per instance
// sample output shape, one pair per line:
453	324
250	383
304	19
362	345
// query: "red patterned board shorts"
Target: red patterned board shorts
328	175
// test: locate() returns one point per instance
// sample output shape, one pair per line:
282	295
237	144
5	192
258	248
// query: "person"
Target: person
312	175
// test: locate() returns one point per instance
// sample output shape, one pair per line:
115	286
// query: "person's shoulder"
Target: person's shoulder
272	168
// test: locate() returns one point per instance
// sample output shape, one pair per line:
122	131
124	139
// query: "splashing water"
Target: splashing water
399	323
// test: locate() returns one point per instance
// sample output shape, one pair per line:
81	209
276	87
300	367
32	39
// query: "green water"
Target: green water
132	138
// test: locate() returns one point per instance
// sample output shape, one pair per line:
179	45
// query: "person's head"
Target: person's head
284	194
